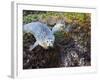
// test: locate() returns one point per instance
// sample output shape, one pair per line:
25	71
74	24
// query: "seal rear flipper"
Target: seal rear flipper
33	46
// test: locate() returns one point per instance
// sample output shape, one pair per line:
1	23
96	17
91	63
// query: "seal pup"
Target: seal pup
43	35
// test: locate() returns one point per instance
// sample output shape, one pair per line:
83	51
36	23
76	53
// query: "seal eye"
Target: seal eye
51	41
47	41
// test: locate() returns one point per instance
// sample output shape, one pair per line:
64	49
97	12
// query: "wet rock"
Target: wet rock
68	51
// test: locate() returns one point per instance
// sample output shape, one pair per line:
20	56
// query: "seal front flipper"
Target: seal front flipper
33	46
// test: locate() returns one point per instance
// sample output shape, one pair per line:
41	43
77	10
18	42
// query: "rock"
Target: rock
68	51
51	21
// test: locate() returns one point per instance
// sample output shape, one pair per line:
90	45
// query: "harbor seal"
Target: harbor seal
43	34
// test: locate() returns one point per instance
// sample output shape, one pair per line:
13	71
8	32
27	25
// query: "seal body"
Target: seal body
43	35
